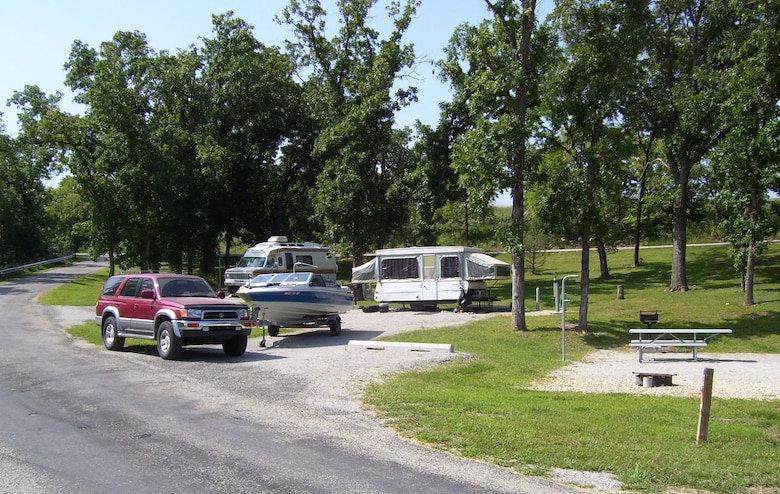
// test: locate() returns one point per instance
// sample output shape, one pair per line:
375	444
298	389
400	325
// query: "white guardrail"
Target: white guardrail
35	264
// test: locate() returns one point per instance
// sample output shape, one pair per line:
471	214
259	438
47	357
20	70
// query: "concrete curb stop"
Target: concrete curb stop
415	347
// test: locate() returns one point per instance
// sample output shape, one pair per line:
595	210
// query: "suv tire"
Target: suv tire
110	339
168	344
235	346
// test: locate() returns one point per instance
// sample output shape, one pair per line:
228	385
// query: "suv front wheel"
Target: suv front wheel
110	339
168	344
235	346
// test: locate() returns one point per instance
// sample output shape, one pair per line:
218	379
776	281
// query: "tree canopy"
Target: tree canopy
609	122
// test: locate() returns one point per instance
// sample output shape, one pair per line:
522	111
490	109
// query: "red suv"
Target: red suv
173	309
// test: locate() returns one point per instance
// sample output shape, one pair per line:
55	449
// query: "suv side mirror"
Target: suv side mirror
221	294
147	293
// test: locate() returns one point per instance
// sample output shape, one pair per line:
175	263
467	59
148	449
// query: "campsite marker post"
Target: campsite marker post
704	409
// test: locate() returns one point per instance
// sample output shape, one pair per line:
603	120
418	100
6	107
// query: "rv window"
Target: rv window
305	259
399	269
450	267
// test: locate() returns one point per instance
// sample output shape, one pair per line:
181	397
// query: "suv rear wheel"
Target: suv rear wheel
168	344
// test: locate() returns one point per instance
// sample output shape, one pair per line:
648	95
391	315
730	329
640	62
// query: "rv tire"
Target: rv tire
273	330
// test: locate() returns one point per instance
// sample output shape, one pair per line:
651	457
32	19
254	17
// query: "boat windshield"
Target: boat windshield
277	278
251	262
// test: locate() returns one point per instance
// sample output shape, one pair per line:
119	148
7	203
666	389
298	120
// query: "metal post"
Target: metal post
538	295
564	300
563	329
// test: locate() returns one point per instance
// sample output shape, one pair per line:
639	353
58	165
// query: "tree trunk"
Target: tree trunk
466	219
603	265
518	263
582	323
679	282
638	224
111	264
749	272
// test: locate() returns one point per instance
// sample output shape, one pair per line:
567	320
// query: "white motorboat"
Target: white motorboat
297	300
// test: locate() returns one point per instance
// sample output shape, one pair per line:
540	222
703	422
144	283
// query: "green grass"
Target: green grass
480	407
82	291
90	332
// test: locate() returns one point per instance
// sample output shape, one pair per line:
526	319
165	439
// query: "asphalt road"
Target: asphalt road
77	418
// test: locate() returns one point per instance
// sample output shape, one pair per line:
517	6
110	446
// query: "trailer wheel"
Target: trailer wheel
335	326
273	330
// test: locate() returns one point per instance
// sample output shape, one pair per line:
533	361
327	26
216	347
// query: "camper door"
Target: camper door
450	276
441	277
430	285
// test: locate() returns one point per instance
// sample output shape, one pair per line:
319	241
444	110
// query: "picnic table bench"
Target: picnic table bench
685	338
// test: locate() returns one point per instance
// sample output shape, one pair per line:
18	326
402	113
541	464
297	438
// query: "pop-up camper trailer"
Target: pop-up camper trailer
430	275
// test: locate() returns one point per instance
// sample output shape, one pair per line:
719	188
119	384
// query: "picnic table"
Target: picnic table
661	338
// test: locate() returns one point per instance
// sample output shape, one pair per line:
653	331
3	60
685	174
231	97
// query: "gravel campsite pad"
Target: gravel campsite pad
735	375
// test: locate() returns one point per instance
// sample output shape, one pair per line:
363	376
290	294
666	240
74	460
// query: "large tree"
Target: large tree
115	153
685	92
495	69
251	109
583	96
22	203
746	162
350	89
25	162
187	143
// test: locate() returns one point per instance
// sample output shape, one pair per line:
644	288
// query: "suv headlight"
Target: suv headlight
243	313
192	313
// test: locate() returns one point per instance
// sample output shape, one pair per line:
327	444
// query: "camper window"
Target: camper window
305	259
399	269
429	267
450	267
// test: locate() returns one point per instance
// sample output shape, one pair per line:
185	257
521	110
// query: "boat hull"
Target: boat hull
296	305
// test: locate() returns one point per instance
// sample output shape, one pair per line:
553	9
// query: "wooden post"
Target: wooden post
620	292
704	410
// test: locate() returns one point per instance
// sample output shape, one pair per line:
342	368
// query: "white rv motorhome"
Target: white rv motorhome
431	275
278	255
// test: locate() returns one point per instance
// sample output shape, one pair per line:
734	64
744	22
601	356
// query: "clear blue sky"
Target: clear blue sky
37	36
